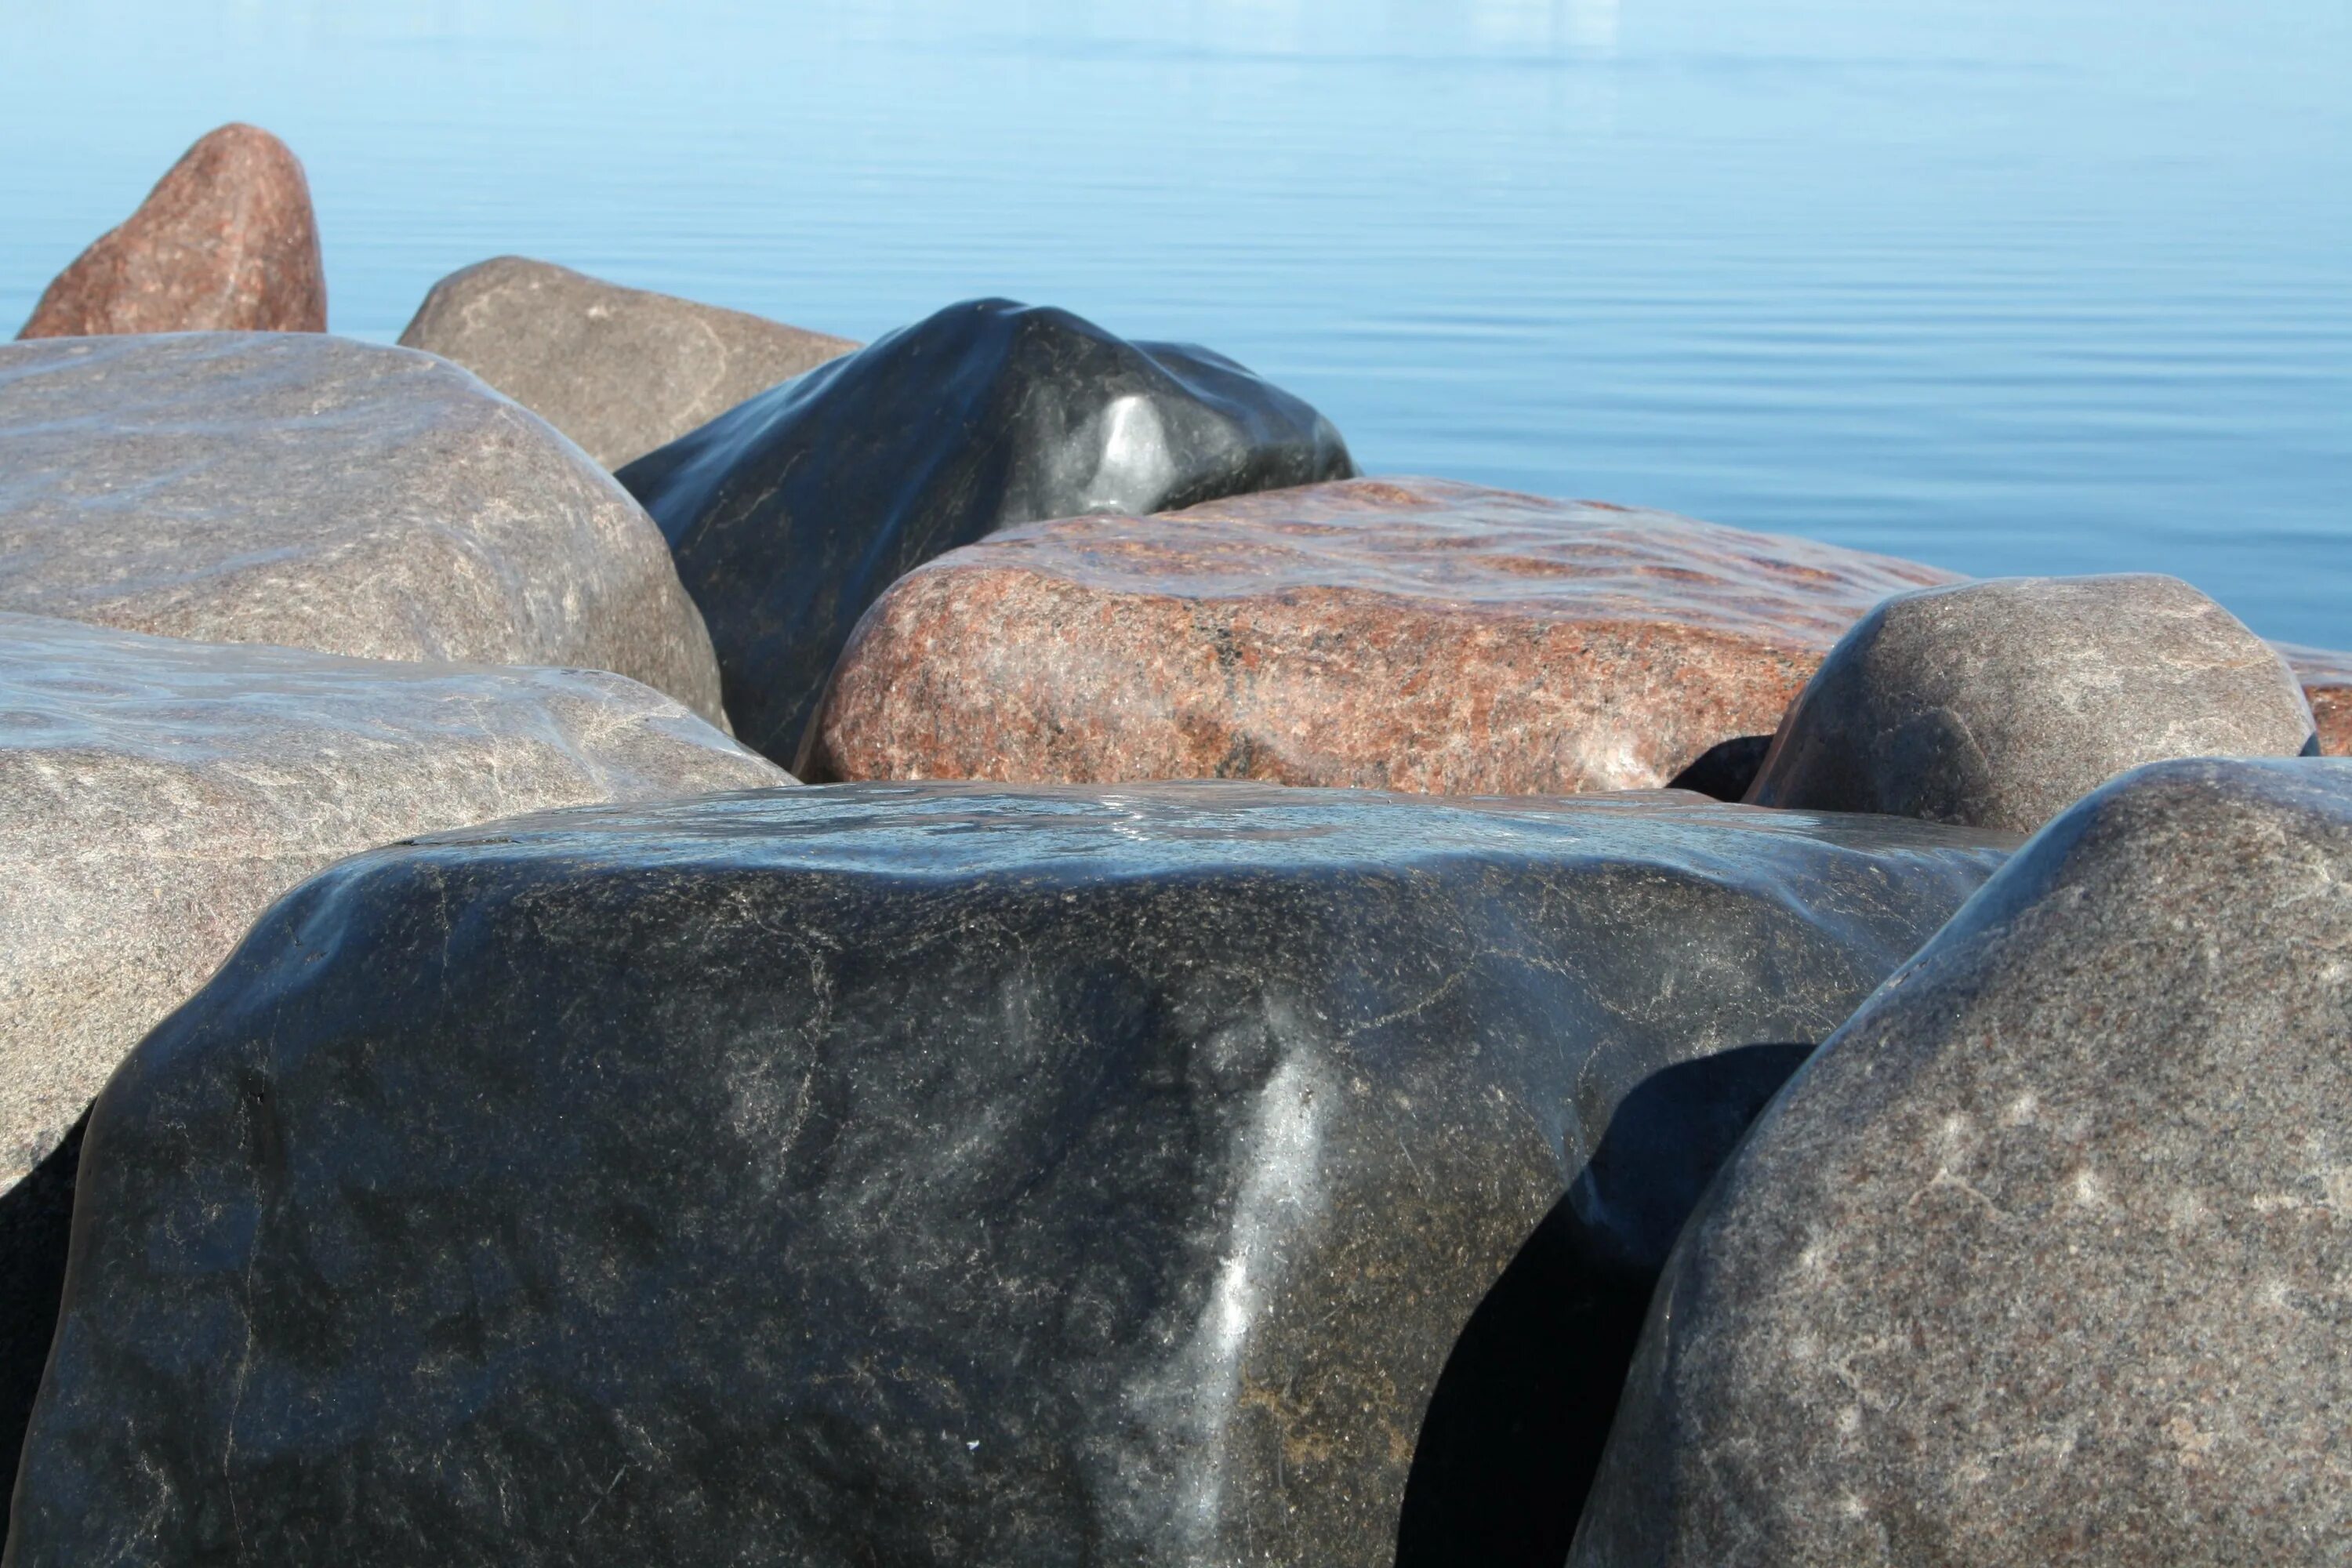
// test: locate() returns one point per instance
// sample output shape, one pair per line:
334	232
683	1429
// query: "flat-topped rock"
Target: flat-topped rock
157	796
2043	1259
314	492
2327	677
1998	704
911	1173
620	371
792	513
1396	634
226	241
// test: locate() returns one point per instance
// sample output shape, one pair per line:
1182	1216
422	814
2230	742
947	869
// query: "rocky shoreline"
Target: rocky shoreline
1298	1016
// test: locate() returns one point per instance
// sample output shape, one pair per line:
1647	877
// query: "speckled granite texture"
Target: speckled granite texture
902	1174
2043	1258
313	492
620	371
1397	634
1998	704
792	513
226	241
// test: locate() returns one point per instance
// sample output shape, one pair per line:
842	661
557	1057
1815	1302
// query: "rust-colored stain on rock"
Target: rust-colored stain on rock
225	242
2327	677
1394	634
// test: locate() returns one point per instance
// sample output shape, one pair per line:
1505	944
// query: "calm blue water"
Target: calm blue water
2005	285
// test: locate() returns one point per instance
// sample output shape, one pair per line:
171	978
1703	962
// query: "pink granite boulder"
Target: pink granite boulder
1391	634
225	242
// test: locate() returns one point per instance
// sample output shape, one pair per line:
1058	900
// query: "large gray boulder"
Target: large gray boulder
620	371
1998	704
314	492
157	796
922	1173
2044	1257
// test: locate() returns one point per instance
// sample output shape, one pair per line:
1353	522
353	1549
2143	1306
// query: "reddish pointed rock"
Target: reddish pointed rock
1407	633
225	242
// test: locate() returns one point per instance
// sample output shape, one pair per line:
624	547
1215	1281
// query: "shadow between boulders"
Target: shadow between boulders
35	1225
1725	769
1516	1426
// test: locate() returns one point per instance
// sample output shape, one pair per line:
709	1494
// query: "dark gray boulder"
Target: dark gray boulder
2043	1258
309	492
157	796
1998	704
791	514
620	371
909	1174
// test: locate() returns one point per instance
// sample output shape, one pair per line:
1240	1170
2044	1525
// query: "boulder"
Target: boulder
313	492
156	795
620	371
2327	677
906	1173
2043	1257
792	513
1998	704
225	242
1391	634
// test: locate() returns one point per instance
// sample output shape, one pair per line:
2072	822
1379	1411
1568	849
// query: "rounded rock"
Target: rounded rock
2041	1260
1998	704
620	371
315	492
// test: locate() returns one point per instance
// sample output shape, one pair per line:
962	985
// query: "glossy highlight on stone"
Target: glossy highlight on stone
315	492
621	371
792	513
225	242
1394	634
908	1173
2041	1258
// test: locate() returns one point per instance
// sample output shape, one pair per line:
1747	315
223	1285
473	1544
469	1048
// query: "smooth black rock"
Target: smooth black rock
917	1173
791	513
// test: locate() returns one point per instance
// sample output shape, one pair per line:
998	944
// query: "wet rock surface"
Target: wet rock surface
156	795
792	513
1395	633
226	241
1998	704
2327	677
620	371
161	793
907	1173
315	492
2042	1258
